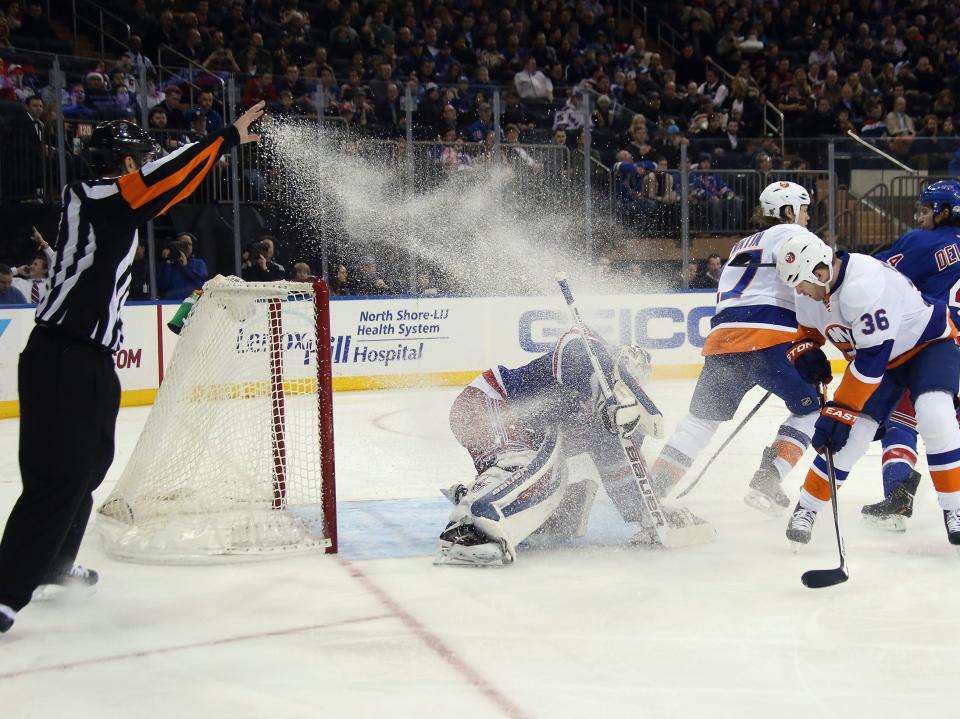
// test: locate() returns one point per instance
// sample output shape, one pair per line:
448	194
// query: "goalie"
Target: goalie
522	427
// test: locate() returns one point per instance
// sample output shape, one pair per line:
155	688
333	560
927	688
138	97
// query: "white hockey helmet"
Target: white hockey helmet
799	256
778	194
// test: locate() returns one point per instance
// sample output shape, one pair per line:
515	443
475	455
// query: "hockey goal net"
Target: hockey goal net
236	457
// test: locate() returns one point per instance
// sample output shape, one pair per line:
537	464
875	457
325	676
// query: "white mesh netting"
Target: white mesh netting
229	463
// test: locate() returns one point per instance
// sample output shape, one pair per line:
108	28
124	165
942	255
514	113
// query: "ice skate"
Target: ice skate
6	618
78	581
765	492
463	545
951	519
892	513
800	526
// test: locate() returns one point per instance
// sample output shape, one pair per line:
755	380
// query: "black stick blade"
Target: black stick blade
820	578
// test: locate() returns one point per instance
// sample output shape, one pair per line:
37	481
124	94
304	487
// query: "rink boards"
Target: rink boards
403	341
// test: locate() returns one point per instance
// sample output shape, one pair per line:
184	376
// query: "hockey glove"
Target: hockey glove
810	362
833	427
623	414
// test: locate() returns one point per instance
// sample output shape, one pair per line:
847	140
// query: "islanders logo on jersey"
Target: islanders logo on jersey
842	338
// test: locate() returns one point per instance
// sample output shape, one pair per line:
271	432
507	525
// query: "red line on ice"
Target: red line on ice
437	645
182	647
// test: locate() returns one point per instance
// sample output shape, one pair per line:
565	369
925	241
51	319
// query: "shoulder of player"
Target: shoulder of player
864	282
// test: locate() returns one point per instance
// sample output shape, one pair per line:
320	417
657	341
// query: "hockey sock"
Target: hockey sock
816	487
691	435
941	437
899	451
793	438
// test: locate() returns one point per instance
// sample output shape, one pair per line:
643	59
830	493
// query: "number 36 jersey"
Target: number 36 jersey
877	318
755	310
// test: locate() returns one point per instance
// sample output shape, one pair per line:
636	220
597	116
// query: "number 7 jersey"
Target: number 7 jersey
755	310
875	315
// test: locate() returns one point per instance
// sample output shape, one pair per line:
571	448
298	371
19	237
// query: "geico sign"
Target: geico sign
657	328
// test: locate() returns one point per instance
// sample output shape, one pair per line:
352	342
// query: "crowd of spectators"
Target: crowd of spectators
887	69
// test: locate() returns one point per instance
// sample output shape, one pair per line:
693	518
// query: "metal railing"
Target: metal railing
107	25
634	12
191	75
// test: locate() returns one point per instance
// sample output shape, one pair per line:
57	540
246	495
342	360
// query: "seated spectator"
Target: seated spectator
709	195
714	88
259	88
873	124
311	71
136	57
658	185
714	268
513	151
258	267
899	126
571	116
169	140
98	96
255	59
180	272
531	84
339	285
176	120
390	117
198	126
292	81
33	280
514	113
285	107
302	273
220	58
629	178
425	284
9	295
482	125
205	107
370	281
822	120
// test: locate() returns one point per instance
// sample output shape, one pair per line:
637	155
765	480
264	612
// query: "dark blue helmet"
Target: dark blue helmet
941	195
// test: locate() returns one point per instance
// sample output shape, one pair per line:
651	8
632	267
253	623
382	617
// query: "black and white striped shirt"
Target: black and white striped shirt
97	239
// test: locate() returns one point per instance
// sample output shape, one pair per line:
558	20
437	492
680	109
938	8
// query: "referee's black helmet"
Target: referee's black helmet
111	141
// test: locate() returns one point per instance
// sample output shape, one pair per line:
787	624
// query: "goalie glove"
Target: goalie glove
622	412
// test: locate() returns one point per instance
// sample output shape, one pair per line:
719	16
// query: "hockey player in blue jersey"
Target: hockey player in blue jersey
930	258
533	433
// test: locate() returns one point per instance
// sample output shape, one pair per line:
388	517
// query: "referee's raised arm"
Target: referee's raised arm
159	184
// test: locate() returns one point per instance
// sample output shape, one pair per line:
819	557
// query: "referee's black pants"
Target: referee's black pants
69	399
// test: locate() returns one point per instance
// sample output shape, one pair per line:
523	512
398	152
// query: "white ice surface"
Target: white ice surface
598	630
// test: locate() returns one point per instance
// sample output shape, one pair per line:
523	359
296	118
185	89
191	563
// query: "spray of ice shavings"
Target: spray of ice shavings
480	226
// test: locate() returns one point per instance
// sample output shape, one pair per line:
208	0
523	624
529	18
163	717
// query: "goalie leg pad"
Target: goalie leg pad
509	507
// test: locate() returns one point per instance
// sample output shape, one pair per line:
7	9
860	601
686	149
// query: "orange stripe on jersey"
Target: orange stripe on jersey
137	193
726	340
817	486
946	480
788	451
852	392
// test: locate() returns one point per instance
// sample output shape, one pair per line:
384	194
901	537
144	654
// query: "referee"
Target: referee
68	387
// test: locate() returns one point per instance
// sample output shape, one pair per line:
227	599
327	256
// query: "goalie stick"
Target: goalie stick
819	578
691	530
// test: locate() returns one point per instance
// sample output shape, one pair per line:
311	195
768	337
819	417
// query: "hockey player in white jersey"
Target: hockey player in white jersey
753	342
900	343
538	435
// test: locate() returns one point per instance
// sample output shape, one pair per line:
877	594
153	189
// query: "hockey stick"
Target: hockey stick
667	535
723	446
818	578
